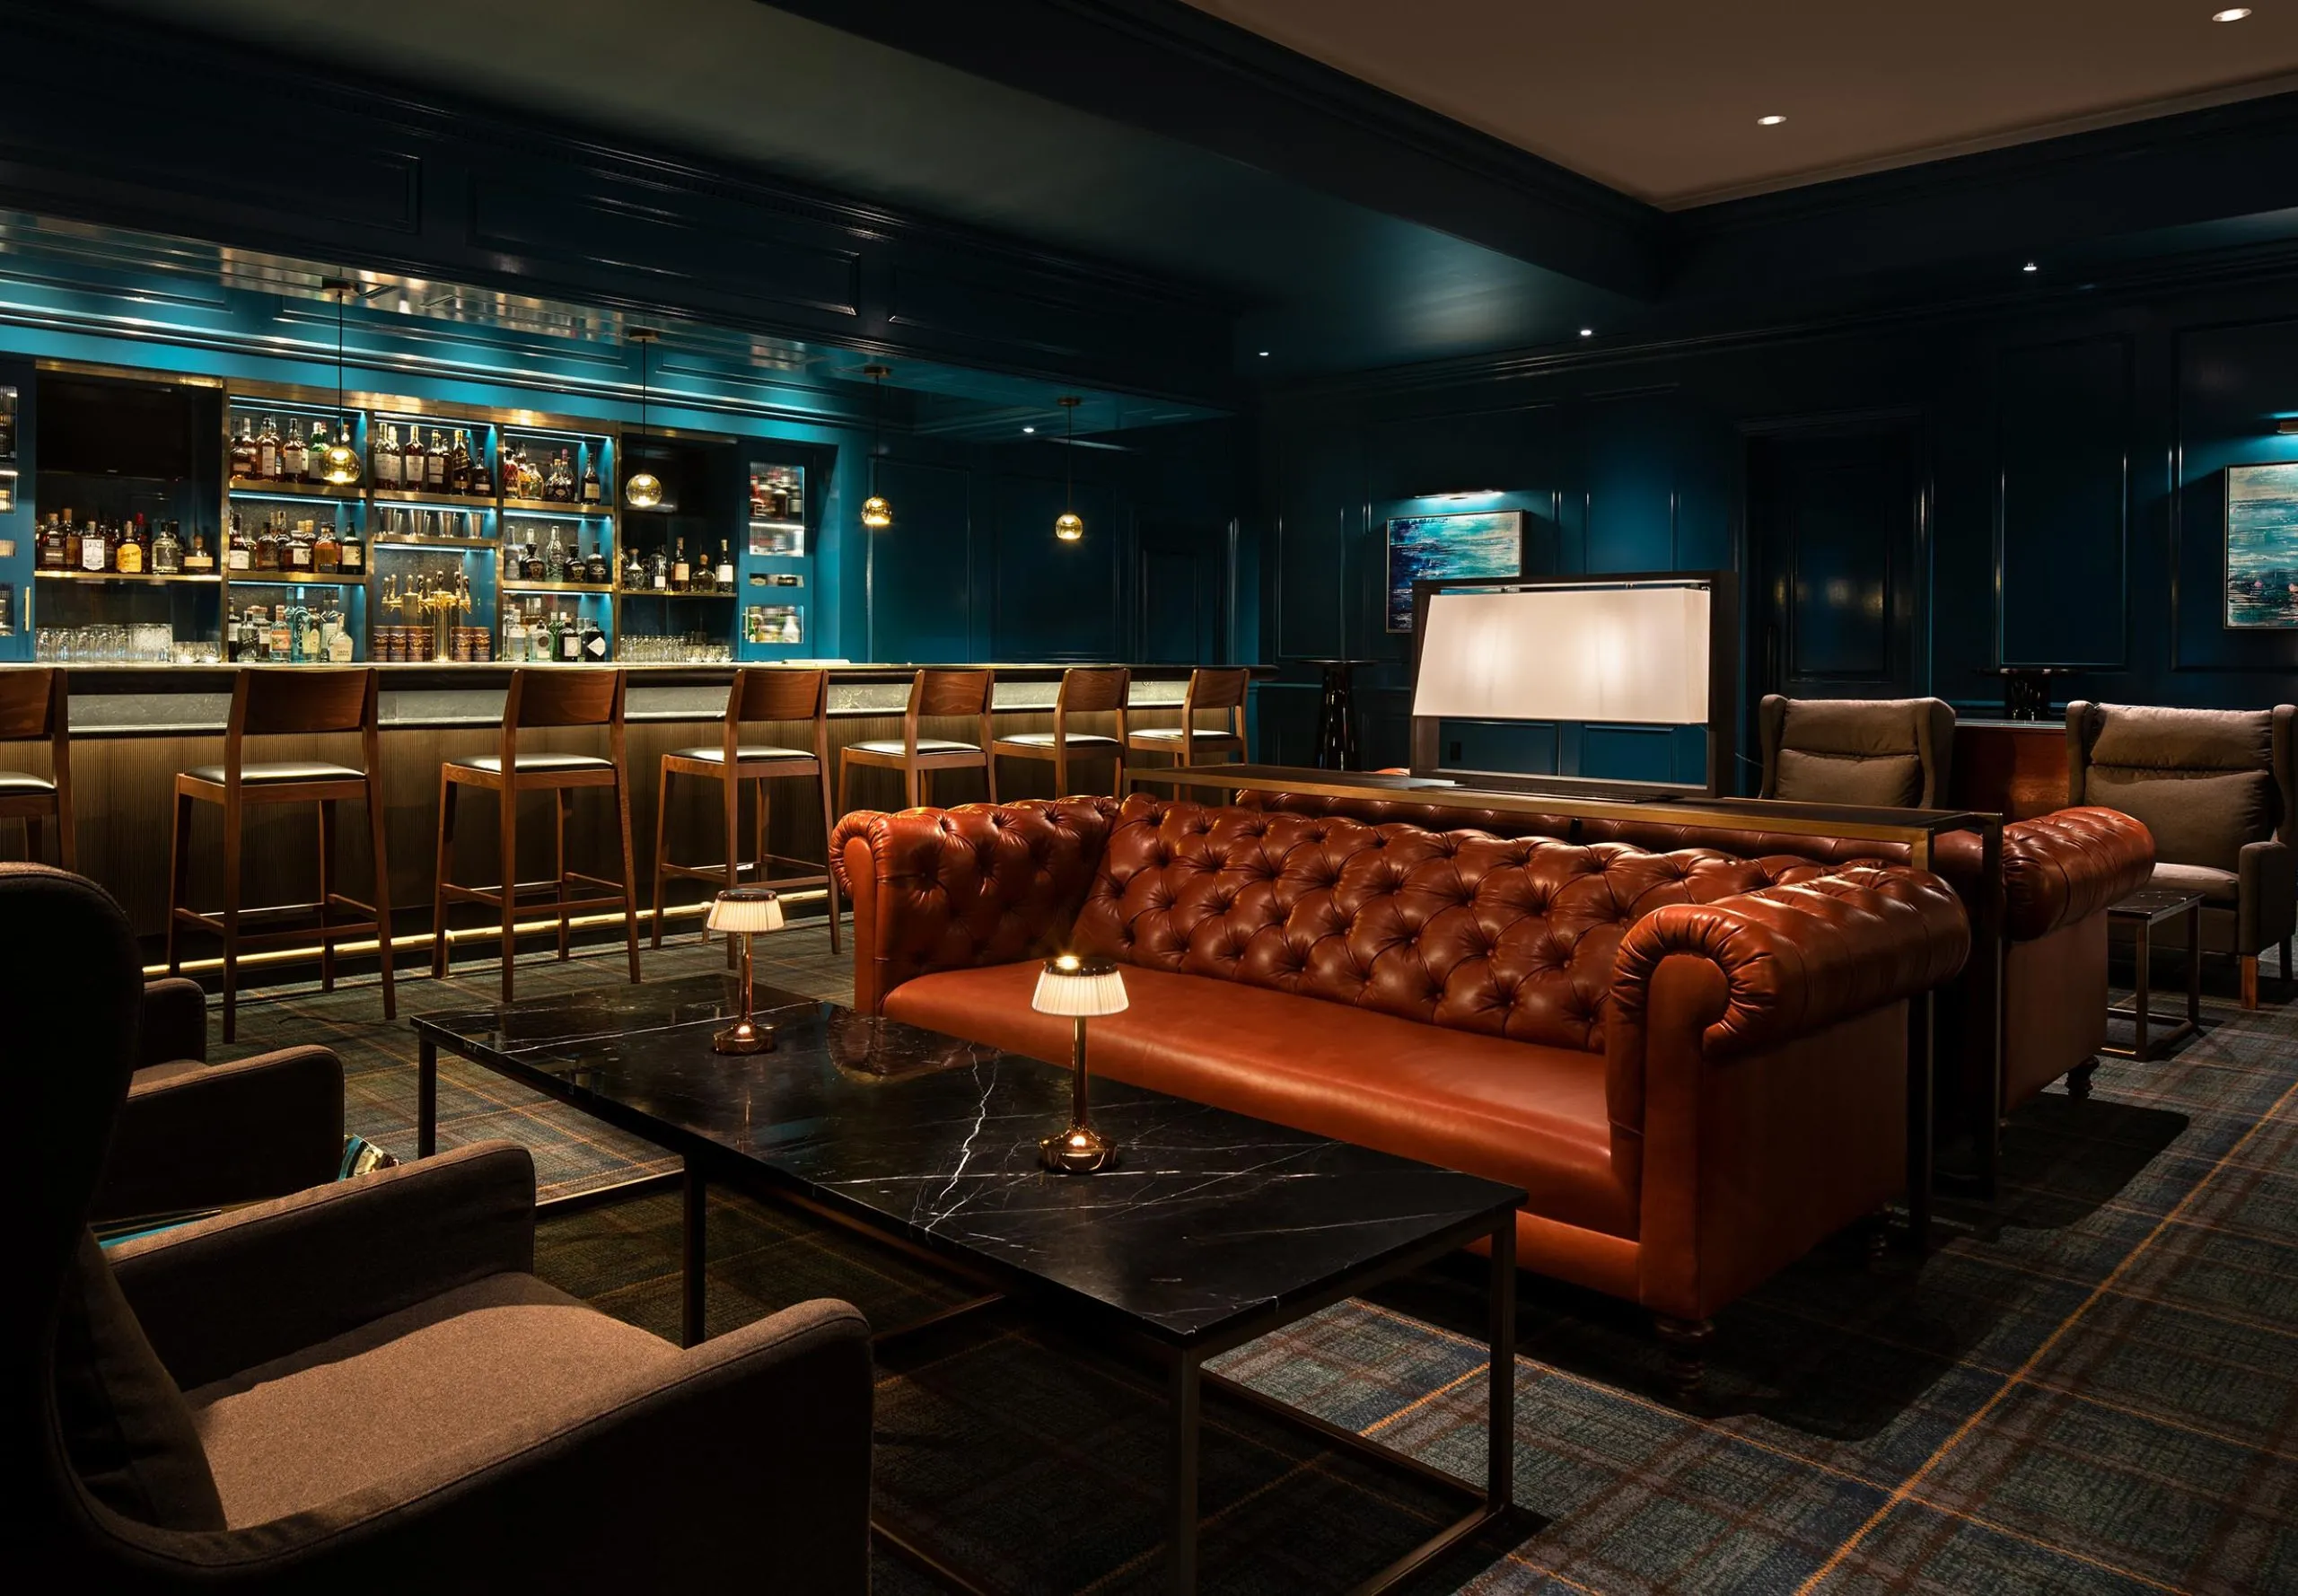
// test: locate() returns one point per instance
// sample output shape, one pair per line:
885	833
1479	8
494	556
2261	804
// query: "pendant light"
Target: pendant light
642	489
876	513
1070	526
339	462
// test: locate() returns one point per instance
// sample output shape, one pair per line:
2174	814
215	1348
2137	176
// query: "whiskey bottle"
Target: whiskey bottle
658	572
326	552
300	553
531	565
266	546
682	574
388	470
482	480
167	552
590	481
95	551
196	560
266	450
55	540
315	459
459	464
351	555
244	468
239	550
295	456
724	574
128	557
435	465
594	566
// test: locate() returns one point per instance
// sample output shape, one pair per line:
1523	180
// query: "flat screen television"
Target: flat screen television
89	426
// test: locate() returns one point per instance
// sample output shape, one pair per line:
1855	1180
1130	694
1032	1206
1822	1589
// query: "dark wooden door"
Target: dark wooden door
1183	594
1834	543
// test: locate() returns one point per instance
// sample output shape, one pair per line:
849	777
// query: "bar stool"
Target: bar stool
553	696
33	705
759	693
302	701
1085	689
942	693
1188	743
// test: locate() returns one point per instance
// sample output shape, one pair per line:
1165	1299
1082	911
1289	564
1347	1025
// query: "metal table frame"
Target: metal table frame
2142	922
1915	829
1186	1380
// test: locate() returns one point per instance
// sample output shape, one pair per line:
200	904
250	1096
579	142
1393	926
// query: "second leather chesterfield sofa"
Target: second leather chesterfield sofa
1693	1062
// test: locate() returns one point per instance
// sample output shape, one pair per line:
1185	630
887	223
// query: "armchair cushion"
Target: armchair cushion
2146	738
175	1021
1892	780
126	1427
334	1417
2197	816
202	1135
2215	885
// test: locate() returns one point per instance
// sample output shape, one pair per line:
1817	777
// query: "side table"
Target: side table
2142	912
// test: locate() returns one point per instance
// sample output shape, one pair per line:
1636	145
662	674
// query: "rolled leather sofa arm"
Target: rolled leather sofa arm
951	889
1797	959
2068	865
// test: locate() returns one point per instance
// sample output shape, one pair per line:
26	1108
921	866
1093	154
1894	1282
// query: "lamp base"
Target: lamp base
743	1036
1080	1150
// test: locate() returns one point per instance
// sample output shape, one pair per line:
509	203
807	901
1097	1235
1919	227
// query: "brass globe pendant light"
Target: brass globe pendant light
1069	526
339	461
642	489
877	514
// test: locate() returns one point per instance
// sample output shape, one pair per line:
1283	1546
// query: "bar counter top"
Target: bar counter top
126	700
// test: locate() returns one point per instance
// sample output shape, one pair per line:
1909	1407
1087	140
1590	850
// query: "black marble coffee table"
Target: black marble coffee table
1215	1230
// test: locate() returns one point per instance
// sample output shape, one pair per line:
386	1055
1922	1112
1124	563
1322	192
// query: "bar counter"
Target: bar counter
134	726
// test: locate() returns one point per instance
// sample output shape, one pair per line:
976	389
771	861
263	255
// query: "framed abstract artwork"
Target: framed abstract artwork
2262	545
1433	547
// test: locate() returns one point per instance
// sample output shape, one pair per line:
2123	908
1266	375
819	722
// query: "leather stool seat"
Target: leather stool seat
493	763
1093	739
925	745
24	781
760	753
1173	735
277	770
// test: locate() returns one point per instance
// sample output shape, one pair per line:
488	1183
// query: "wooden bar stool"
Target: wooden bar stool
937	693
34	707
1189	743
1085	689
553	696
297	701
759	693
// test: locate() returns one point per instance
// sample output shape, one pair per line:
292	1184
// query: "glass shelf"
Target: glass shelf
240	489
476	502
520	585
554	507
117	576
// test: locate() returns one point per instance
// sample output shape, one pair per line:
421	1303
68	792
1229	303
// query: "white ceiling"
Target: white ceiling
1659	98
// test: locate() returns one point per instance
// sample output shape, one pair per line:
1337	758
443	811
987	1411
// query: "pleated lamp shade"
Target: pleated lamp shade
746	908
1079	986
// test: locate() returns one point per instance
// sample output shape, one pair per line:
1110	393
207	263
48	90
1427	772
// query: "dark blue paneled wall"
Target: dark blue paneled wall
2066	506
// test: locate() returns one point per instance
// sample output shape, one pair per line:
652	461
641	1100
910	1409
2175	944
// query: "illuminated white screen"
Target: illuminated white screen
1591	654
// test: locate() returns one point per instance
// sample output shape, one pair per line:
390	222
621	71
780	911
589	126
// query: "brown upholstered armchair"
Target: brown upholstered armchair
2217	789
1888	752
364	1386
194	1136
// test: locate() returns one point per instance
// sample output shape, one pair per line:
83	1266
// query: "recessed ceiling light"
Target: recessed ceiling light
1264	355
2030	267
1770	121
1028	429
2232	14
1587	332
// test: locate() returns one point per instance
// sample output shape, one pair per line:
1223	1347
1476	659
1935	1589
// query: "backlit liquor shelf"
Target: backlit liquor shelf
189	521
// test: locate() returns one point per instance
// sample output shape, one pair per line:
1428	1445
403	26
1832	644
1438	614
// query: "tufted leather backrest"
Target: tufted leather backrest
1507	936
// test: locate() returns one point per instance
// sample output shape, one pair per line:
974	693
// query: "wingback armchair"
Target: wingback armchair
1888	752
2217	789
364	1386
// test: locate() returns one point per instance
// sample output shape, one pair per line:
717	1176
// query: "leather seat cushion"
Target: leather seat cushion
1522	1112
16	783
925	745
1173	735
493	763
2216	886
748	754
274	770
496	1358
1077	739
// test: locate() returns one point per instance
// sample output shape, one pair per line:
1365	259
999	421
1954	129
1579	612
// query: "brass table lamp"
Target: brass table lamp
743	912
1080	987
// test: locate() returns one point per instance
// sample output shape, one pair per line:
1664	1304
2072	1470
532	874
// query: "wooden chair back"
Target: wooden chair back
779	693
1216	689
949	693
300	701
1093	690
563	695
31	702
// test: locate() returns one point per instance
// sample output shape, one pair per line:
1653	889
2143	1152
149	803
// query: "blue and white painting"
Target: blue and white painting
1432	547
2262	545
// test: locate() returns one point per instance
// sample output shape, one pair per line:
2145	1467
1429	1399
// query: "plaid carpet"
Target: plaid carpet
2096	1390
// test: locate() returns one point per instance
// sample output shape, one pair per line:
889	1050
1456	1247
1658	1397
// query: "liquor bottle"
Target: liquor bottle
281	645
515	636
570	641
594	566
779	494
530	568
682	574
266	450
351	553
326	552
294	455
167	552
594	641
459	464
658	572
382	456
244	466
544	640
231	634
127	558
315	459
435	465
300	554
482	482
559	489
266	546
196	560
55	551
554	558
239	549
95	553
724	575
634	574
590	481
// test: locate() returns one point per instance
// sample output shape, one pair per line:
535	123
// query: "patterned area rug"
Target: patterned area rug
2096	1390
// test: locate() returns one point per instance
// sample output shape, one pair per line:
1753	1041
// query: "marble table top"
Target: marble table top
1212	1221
